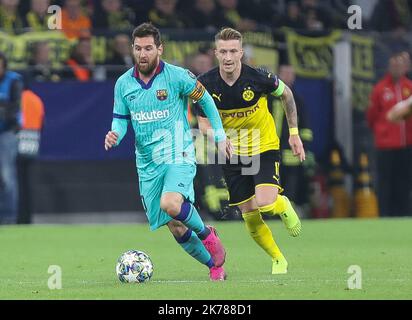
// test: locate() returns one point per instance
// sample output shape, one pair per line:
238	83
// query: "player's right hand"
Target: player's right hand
110	140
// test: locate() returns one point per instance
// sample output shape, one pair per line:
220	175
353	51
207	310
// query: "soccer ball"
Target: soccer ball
134	266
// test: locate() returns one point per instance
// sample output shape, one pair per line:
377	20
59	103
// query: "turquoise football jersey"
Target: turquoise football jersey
158	113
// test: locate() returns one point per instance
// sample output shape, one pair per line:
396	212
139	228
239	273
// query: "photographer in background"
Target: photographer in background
32	118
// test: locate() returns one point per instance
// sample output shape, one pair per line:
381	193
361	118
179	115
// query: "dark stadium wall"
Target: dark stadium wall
78	116
74	173
84	186
317	95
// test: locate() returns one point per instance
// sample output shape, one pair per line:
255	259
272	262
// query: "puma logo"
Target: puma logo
217	96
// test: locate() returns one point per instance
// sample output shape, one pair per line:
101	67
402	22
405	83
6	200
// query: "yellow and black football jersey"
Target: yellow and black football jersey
243	108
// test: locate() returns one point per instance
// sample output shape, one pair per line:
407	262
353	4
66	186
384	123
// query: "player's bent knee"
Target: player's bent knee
171	206
266	195
261	203
171	209
248	206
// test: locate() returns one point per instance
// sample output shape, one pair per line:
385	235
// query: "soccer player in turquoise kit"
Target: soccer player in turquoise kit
153	96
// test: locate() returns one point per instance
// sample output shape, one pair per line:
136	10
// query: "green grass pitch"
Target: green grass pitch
318	262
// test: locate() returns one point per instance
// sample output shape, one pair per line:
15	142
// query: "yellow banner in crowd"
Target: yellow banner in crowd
19	48
312	57
259	46
363	70
259	49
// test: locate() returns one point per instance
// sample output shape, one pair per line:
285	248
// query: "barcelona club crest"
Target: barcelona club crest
161	94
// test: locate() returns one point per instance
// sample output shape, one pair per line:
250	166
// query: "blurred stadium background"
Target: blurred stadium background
73	70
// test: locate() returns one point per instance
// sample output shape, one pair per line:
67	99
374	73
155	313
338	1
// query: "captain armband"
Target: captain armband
198	92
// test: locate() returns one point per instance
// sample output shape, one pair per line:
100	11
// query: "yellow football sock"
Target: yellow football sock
277	207
261	233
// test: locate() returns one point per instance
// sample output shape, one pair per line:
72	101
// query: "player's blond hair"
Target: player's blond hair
228	34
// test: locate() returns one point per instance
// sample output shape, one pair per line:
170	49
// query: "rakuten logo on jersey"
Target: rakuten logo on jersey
146	117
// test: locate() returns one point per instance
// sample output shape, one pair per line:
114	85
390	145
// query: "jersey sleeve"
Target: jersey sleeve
194	89
121	113
196	108
190	86
270	82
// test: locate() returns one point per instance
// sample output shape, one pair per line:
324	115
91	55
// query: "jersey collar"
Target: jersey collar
159	69
237	80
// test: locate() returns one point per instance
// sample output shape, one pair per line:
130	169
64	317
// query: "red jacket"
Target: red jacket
384	96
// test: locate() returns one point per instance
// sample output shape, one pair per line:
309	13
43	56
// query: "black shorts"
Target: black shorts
243	174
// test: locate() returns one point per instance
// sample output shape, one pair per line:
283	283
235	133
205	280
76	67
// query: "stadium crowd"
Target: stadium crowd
81	17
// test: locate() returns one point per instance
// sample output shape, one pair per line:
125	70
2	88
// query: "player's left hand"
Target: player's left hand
297	147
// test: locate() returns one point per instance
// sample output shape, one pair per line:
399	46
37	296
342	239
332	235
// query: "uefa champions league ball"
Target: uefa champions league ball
134	266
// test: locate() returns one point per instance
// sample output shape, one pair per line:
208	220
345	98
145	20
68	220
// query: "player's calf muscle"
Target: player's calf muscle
177	228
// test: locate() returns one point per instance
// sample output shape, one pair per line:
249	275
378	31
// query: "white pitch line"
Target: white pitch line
279	281
206	281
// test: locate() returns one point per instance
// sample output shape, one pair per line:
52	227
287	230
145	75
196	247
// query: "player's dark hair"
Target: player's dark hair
146	30
3	59
228	34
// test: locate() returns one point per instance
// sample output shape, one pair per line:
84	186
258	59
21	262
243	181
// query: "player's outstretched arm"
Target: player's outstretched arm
292	117
121	118
210	110
195	90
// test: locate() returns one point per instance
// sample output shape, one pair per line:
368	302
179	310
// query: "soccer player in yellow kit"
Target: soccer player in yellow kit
241	94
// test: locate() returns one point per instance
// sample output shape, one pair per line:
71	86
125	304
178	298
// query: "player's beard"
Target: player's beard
148	67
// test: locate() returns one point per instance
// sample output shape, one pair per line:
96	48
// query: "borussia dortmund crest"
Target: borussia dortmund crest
161	94
248	94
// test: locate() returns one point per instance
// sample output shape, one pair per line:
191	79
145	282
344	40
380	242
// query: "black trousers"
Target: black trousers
25	209
394	182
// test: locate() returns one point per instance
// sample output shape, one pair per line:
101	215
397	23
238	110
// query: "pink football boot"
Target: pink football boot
217	274
215	247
